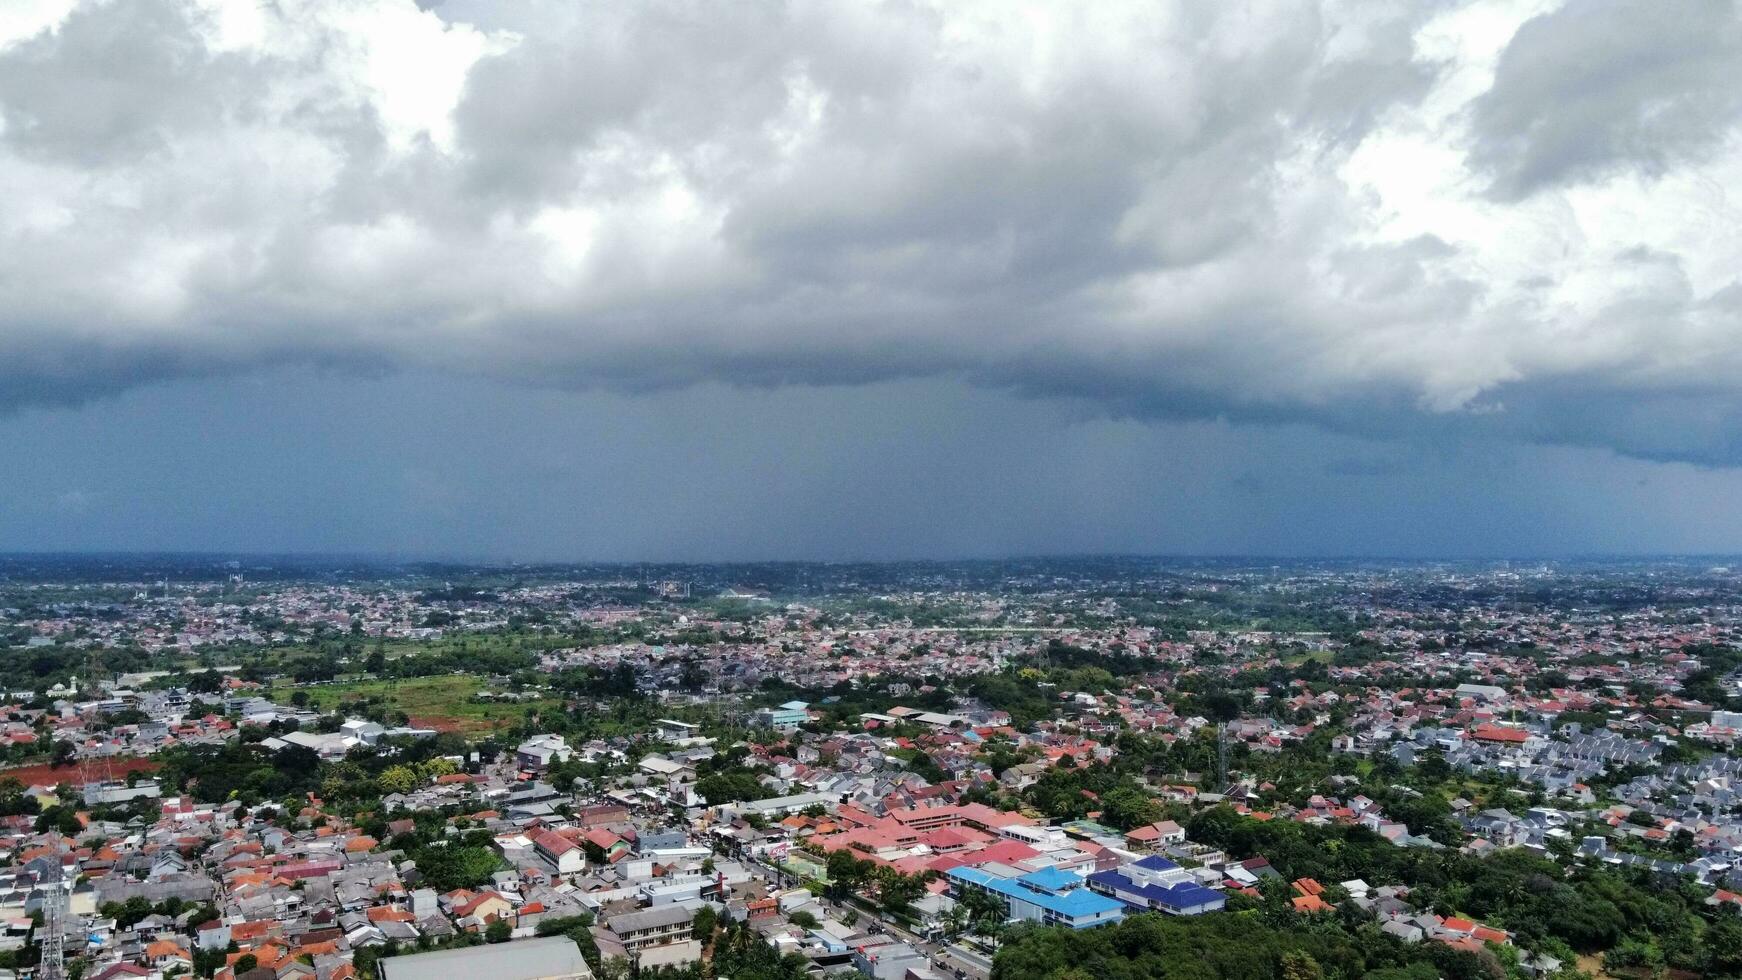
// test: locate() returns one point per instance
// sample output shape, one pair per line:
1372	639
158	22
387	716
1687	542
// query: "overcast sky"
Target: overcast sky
712	280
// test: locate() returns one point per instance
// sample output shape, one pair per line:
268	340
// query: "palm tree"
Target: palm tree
983	909
955	920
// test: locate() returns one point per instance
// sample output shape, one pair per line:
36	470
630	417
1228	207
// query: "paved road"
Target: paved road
944	958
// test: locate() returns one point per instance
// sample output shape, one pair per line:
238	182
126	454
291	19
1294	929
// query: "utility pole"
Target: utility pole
1221	757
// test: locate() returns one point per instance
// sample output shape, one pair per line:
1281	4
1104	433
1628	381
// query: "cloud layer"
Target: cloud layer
1391	219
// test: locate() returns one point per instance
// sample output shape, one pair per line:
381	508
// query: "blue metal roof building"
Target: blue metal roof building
1051	880
1049	896
1154	893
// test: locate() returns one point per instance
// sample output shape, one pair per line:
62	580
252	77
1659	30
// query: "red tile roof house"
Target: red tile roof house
1720	896
563	854
245	932
1311	903
1489	934
1460	926
605	840
164	954
1144	838
1154	836
1500	734
485	908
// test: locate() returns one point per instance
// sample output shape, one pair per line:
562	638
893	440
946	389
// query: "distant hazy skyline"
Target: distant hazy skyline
753	280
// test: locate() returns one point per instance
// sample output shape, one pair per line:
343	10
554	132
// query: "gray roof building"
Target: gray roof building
550	958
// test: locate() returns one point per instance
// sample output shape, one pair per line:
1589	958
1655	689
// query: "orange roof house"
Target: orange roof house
1500	734
163	951
487	907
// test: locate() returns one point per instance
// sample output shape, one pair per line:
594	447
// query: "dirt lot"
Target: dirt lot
49	775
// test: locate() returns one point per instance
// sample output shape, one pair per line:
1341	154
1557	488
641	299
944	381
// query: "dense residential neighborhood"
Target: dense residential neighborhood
942	773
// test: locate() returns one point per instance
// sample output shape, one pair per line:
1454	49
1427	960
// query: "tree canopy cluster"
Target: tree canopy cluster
1225	946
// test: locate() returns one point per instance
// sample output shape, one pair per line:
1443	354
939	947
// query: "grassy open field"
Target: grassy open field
442	702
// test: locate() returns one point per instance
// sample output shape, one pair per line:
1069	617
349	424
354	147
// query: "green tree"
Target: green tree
1127	807
703	926
730	787
899	891
846	872
1297	965
397	779
983	909
1723	943
437	767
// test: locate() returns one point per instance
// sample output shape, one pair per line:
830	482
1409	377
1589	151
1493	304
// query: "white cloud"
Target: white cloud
1282	210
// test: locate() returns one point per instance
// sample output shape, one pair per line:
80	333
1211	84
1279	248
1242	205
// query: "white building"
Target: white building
541	751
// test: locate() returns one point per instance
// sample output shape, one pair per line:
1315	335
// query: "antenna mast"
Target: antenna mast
95	769
51	965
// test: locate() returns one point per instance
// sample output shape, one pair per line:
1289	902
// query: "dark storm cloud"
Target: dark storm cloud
1598	86
1161	210
420	464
